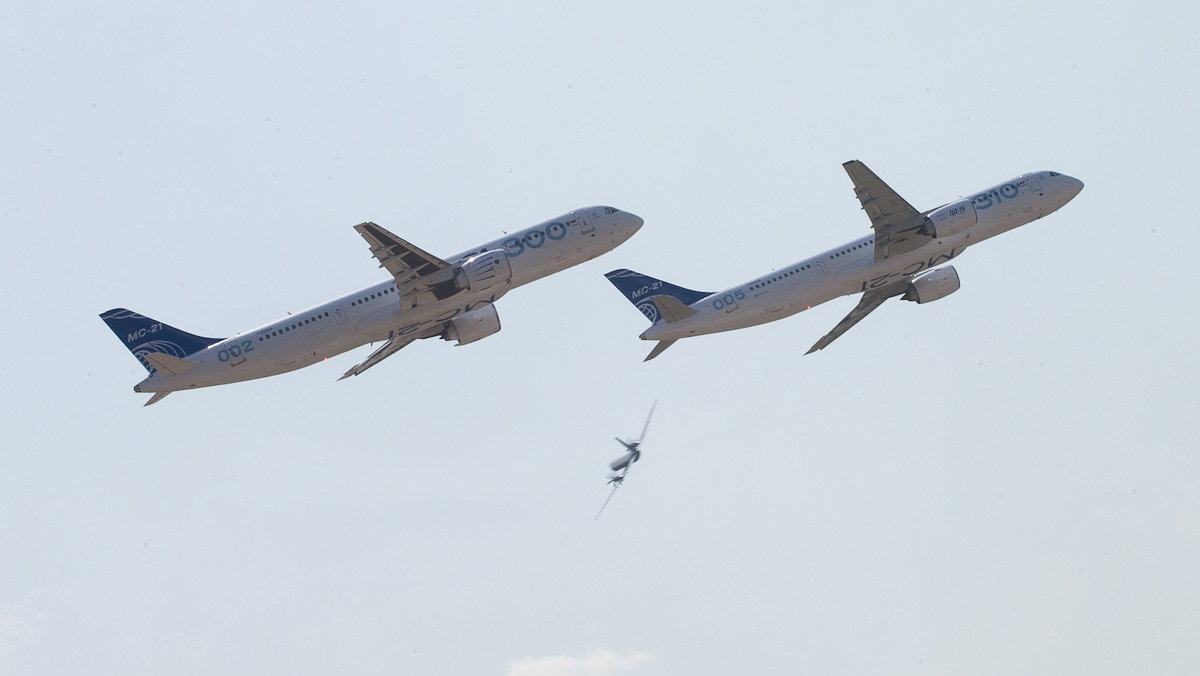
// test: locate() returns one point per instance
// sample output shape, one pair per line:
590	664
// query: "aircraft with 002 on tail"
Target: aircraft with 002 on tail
427	297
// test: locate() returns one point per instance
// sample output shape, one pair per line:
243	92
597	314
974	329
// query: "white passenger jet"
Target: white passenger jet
899	259
427	296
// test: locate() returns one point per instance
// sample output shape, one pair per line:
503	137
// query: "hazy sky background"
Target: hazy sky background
1001	482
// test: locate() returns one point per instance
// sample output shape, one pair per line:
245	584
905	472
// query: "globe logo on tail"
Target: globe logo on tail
649	309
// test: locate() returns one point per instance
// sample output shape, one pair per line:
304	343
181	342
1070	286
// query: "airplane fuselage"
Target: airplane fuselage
375	313
852	268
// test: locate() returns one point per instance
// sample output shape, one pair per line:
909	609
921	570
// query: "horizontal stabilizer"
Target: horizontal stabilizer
168	365
672	310
157	397
658	349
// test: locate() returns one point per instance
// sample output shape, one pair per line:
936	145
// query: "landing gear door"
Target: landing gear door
580	218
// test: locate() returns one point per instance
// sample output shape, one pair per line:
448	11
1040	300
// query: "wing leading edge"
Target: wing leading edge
413	268
892	217
391	347
866	305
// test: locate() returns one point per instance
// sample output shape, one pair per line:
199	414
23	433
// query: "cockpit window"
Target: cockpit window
1054	173
609	210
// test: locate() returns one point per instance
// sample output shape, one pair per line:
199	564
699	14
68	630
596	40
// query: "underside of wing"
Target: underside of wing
386	350
870	300
894	220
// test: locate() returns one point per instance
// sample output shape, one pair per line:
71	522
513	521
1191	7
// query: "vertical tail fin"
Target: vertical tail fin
639	289
143	336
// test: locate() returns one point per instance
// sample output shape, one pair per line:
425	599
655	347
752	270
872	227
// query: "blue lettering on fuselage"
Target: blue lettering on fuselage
533	239
995	196
514	246
907	271
728	300
234	351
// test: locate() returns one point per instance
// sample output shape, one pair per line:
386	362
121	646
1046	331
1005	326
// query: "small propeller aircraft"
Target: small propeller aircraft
622	465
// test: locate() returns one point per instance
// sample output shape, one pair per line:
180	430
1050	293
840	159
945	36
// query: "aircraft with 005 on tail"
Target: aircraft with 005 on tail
901	258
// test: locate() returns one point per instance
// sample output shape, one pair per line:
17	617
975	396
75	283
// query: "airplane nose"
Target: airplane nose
629	223
1074	186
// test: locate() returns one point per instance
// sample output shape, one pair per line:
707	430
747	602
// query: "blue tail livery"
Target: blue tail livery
143	336
902	258
639	288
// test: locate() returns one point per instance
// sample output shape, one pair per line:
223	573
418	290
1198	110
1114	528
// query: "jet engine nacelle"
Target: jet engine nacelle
483	271
933	285
476	324
950	219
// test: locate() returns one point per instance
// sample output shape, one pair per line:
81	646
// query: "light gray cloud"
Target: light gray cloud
596	663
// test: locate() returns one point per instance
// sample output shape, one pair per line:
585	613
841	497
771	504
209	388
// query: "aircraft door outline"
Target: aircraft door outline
585	226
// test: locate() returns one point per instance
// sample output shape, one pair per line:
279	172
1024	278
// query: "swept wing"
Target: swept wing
870	300
895	221
414	269
391	347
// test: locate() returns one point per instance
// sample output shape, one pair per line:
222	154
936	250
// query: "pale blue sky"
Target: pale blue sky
1001	482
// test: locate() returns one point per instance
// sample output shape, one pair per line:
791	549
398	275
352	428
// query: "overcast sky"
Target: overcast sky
1001	482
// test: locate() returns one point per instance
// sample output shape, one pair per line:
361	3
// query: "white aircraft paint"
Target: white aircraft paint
877	269
423	300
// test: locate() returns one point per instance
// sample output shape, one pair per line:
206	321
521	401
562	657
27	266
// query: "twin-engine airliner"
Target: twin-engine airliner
901	258
427	297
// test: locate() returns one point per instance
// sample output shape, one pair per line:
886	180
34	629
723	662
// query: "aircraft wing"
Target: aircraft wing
413	268
894	220
611	493
870	300
389	348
